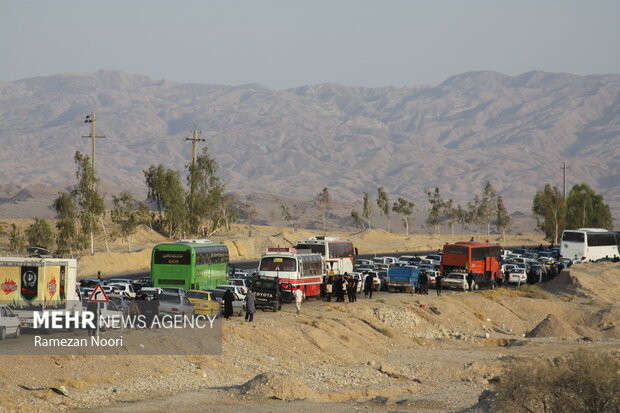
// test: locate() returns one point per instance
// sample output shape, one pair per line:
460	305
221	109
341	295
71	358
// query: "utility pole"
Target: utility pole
194	139
93	122
564	168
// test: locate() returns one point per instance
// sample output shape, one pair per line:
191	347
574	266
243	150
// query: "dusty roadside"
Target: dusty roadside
394	352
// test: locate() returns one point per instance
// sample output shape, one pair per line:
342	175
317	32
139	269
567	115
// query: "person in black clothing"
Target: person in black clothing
438	284
369	285
423	283
92	307
228	304
470	281
353	288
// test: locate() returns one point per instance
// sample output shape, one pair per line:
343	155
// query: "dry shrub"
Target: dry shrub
582	382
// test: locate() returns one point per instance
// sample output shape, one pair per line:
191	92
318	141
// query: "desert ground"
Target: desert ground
396	352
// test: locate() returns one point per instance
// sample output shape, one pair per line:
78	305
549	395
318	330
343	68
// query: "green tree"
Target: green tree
40	234
488	205
17	240
384	205
461	217
548	208
450	214
207	203
436	209
405	208
357	221
502	219
69	238
474	213
165	189
323	200
587	209
87	198
125	215
155	178
367	209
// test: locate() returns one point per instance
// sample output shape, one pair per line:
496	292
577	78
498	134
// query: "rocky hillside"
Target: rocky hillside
515	131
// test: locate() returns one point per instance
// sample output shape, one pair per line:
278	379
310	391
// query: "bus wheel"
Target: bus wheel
2	333
18	332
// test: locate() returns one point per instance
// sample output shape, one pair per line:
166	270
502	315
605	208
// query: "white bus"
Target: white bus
299	268
588	244
339	254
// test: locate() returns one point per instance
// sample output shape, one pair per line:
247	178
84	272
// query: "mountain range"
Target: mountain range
515	131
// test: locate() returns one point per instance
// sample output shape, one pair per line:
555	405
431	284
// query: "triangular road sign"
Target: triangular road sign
98	295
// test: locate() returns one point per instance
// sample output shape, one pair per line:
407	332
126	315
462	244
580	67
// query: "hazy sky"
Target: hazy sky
290	43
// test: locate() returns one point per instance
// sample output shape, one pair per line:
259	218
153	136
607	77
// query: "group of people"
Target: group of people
337	286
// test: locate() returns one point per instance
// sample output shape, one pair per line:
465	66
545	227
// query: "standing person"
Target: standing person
423	283
470	280
299	297
250	306
328	289
506	278
92	307
337	288
353	287
349	283
228	304
369	285
438	283
343	291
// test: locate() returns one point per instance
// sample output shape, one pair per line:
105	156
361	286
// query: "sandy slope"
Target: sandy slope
396	351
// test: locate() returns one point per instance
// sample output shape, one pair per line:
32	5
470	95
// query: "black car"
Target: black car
481	282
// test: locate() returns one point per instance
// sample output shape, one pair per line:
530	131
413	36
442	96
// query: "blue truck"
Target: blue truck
403	279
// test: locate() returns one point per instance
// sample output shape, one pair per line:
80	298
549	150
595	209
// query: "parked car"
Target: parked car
517	276
385	260
435	258
432	276
241	282
481	282
151	292
455	280
173	304
120	281
237	289
404	260
238	303
362	261
9	323
204	302
121	301
174	290
124	288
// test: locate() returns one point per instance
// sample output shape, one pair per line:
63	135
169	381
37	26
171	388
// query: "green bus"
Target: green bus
189	264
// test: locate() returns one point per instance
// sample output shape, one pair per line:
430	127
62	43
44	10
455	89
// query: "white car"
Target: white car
123	289
404	260
385	260
241	282
237	289
434	258
9	323
517	276
455	280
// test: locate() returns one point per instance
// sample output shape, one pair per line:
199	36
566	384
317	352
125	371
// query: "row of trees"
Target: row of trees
485	209
582	208
198	210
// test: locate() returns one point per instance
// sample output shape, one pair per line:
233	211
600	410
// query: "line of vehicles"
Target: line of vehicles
191	276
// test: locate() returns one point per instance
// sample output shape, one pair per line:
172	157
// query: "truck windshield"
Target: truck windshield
278	264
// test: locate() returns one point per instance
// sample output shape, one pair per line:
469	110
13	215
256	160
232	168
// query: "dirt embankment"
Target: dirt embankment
397	351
